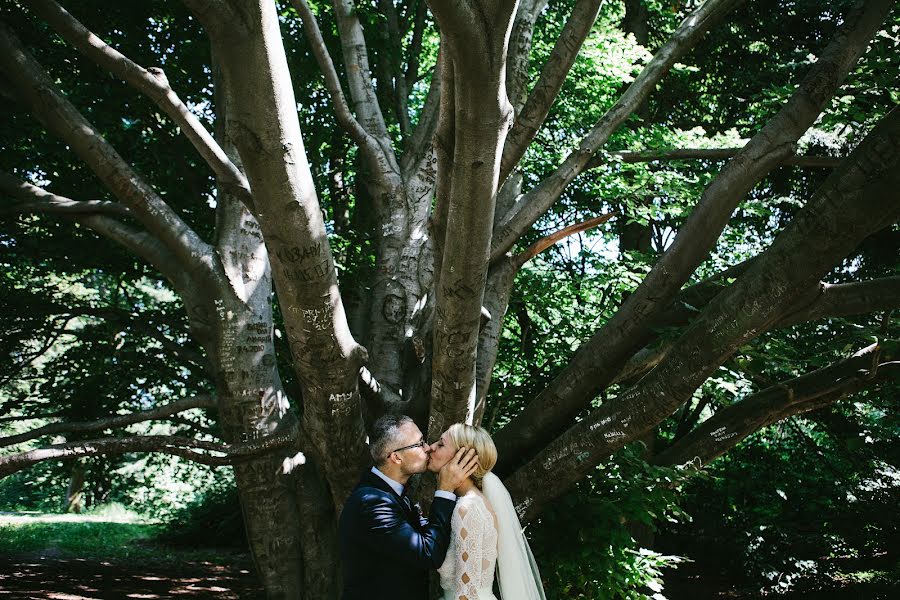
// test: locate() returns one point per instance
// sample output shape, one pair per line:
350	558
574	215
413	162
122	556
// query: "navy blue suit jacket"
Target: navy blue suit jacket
387	551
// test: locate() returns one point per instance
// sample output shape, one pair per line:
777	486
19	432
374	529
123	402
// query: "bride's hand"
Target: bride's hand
457	469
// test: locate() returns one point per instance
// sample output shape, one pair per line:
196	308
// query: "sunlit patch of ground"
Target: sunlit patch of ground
21	518
104	557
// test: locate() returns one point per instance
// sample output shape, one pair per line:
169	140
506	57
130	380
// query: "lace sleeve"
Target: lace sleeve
473	557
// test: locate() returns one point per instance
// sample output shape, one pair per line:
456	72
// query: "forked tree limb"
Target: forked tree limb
730	425
362	92
150	82
33	199
37	89
366	142
856	201
415	44
114	422
262	109
482	114
519	55
545	91
418	147
393	64
538	200
94	216
599	359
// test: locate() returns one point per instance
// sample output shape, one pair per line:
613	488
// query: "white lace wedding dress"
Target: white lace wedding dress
468	570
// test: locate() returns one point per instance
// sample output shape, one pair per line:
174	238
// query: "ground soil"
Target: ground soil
45	576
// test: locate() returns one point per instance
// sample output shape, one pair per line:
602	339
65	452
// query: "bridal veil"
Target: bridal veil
518	573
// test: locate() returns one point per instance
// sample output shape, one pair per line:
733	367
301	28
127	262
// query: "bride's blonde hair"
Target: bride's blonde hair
476	437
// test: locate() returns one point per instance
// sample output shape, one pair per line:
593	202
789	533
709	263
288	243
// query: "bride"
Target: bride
485	530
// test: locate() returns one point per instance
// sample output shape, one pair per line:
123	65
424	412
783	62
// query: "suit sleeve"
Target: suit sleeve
388	531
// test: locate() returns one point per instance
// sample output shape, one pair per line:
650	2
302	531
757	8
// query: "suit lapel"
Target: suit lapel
371	479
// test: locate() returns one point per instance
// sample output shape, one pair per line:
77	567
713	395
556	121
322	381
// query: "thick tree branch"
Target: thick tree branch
519	56
598	360
419	144
153	84
444	149
724	430
141	243
264	126
213	454
356	61
544	93
856	201
115	422
33	199
537	201
825	301
500	281
845	299
392	37
809	161
415	44
366	142
36	87
220	18
477	47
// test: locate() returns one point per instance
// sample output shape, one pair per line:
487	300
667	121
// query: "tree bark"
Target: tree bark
75	492
482	114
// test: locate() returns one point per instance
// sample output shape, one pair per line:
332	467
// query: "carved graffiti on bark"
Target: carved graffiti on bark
319	318
394	308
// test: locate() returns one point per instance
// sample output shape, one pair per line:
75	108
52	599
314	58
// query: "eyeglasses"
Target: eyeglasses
419	444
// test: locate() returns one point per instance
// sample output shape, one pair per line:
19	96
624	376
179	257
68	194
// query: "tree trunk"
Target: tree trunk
262	123
75	491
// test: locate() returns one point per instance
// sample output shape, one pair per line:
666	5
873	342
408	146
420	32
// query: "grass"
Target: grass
872	576
107	534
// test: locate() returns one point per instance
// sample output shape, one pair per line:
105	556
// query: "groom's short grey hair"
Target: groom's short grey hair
385	436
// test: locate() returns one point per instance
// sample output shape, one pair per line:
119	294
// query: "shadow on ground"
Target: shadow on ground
58	578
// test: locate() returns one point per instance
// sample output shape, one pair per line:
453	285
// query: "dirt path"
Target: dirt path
63	578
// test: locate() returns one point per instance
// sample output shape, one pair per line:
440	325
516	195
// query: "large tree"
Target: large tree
446	197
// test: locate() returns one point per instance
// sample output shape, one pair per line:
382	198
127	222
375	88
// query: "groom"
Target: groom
387	546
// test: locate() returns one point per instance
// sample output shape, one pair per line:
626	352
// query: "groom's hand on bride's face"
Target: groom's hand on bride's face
457	469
